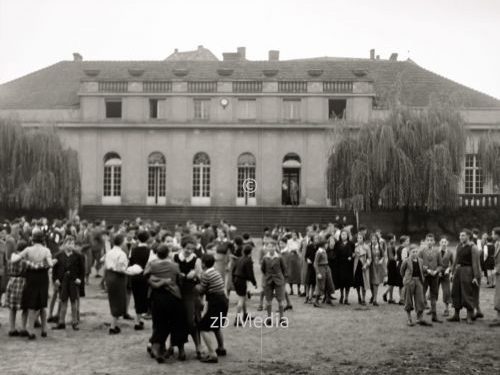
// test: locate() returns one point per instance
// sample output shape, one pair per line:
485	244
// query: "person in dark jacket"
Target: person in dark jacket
139	255
274	270
242	272
69	274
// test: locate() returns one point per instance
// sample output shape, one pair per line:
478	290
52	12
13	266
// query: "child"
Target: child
496	271
361	277
412	271
69	273
324	282
243	272
489	263
212	286
432	262
444	277
274	272
14	293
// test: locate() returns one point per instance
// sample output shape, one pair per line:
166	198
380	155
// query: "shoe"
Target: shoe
53	319
43	334
208	359
13	333
306	300
139	327
288	307
38	324
31	336
316	304
384	297
260	308
75	327
391	302
59	326
346	302
114	331
446	313
221	352
156	353
401	303
198	354
479	315
435	319
410	323
375	303
182	355
23	333
371	299
424	323
97	276
127	317
454	318
329	302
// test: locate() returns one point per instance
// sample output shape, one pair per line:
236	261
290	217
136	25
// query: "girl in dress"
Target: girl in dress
324	282
139	255
294	264
377	271
310	277
361	267
393	275
14	292
344	250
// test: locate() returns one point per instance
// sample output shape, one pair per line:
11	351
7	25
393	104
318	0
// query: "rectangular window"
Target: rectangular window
473	178
201	109
114	108
337	109
156	108
291	109
107	181
247	109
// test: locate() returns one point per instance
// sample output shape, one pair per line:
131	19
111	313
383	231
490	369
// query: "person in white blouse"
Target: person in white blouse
116	263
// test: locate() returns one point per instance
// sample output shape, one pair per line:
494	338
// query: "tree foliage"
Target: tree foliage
489	156
37	173
413	159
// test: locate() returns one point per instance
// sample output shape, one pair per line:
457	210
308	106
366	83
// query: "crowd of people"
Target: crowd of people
182	278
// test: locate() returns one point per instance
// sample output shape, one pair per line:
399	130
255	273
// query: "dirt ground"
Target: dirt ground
329	340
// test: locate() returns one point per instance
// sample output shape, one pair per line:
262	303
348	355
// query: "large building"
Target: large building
191	129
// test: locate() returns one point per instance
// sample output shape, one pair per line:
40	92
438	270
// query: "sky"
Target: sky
459	39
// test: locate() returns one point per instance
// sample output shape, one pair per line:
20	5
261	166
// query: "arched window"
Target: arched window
201	179
290	186
112	178
156	178
246	180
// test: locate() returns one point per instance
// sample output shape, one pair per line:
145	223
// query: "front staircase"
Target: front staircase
247	219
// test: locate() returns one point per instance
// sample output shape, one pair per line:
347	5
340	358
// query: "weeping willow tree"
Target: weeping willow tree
37	173
489	156
412	160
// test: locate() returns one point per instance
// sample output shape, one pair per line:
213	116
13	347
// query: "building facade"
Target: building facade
193	130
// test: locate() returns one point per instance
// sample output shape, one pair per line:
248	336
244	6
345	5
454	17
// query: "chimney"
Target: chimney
200	47
378	57
394	57
274	55
242	51
176	50
77	57
372	54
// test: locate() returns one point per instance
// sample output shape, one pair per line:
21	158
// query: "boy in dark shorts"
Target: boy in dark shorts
212	286
242	273
274	273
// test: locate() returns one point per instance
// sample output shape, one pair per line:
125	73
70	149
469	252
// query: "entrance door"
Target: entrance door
156	180
290	188
246	181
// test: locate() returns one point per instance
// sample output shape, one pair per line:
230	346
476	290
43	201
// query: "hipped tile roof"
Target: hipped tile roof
57	86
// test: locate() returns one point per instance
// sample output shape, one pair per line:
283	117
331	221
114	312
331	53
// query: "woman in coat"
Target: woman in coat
294	262
361	269
344	251
377	268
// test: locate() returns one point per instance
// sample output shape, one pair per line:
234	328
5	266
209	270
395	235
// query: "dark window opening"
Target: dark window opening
113	109
337	108
153	108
